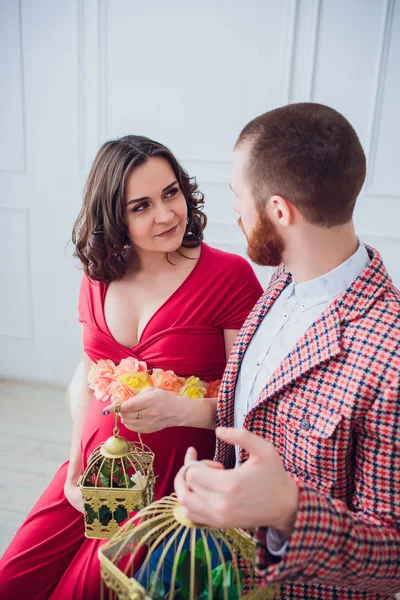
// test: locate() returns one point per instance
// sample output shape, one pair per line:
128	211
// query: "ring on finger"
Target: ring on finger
191	463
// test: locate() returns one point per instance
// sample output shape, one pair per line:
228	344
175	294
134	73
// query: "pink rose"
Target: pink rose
166	380
129	365
119	391
101	375
212	390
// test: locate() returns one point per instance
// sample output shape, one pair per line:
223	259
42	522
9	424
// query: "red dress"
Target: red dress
50	557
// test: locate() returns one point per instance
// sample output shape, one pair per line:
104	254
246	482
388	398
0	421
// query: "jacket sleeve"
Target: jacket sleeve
354	544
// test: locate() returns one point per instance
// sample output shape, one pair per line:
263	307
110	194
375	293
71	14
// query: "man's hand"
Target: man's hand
258	493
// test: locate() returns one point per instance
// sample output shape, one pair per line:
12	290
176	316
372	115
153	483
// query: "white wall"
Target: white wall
190	74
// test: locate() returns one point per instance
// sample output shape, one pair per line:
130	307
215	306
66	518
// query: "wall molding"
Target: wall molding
23	95
315	28
313	48
93	58
378	96
305	26
92	91
24	211
288	49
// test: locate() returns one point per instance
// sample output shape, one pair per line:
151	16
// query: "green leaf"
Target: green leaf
179	568
120	514
200	575
105	515
90	514
179	595
218	577
200	552
185	575
157	588
105	480
225	582
204	594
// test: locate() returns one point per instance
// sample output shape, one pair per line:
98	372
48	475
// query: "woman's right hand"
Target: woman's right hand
74	495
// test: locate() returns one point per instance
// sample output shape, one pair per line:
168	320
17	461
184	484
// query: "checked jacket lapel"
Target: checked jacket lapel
226	398
320	343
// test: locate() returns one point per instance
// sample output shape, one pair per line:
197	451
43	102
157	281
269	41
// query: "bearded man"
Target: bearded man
309	407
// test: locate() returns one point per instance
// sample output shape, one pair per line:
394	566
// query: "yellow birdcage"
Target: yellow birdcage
118	480
160	554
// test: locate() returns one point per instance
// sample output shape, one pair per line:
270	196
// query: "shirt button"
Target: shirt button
285	316
258	363
303	306
305	424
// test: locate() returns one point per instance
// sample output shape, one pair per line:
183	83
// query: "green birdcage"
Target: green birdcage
118	480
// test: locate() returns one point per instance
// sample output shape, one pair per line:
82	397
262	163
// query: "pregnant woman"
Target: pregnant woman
152	290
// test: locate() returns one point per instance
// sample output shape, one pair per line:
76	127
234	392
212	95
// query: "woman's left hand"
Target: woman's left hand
150	411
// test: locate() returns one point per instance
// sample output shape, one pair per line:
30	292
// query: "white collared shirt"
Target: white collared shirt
293	312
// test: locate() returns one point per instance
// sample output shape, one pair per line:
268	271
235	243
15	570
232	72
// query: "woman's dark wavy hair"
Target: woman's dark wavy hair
100	233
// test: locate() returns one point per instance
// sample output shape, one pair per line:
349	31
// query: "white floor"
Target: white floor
35	429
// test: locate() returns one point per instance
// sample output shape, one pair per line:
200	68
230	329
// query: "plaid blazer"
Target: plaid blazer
332	410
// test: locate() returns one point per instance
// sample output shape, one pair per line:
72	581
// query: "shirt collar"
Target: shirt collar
330	285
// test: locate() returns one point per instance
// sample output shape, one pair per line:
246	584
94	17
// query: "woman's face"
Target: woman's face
155	207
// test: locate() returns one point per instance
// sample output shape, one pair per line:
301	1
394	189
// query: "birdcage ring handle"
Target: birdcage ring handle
117	409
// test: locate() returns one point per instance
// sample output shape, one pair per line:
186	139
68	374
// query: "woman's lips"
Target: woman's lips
168	232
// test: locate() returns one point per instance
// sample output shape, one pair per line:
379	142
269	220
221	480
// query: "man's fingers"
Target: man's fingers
255	445
209	478
181	488
213	464
200	509
191	454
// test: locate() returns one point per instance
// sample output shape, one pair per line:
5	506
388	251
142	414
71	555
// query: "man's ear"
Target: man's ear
281	211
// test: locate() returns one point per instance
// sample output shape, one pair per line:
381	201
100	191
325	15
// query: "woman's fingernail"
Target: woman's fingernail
105	412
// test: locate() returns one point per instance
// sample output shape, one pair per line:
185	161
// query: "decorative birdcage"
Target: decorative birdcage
118	480
160	554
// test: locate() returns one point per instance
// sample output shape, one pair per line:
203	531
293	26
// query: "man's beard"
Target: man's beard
265	245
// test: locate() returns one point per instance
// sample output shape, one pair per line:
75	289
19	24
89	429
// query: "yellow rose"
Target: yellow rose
134	381
193	388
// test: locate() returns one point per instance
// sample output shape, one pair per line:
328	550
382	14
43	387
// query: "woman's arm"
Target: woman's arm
71	491
201	412
159	409
229	337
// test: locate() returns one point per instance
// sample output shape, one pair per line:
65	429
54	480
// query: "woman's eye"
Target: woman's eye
172	192
140	208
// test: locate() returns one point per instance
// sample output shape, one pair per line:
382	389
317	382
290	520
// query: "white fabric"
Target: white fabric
276	542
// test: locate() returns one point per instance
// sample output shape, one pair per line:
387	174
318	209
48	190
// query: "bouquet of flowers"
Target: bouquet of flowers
111	382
